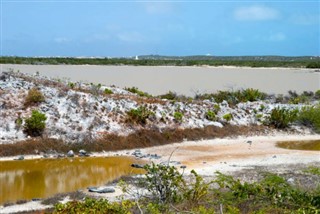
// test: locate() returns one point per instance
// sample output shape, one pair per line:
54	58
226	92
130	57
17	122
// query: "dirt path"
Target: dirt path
208	156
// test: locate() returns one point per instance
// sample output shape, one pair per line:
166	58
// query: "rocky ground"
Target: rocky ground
79	111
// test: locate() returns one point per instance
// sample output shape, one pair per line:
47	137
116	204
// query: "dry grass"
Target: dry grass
140	139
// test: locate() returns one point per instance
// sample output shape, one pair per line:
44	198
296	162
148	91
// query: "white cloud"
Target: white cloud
255	13
276	37
130	37
158	7
61	40
305	19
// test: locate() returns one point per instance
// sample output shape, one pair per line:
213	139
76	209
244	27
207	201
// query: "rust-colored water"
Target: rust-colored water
313	145
42	178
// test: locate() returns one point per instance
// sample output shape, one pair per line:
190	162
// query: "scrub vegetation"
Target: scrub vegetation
171	192
247	61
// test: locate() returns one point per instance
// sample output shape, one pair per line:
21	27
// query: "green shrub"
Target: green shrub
210	115
34	97
227	117
178	116
310	116
135	90
35	125
317	94
169	96
93	206
164	183
281	118
251	95
71	85
139	115
108	91
216	108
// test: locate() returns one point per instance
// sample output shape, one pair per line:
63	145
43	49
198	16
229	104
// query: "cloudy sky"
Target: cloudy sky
128	28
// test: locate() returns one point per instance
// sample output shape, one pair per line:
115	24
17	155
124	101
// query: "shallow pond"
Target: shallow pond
43	178
313	145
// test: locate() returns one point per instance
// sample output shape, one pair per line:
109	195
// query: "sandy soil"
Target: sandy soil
227	155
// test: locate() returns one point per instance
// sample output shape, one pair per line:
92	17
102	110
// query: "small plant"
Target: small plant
310	116
178	116
210	115
281	117
164	183
216	108
35	124
313	170
108	91
71	85
34	97
169	96
135	90
139	115
227	117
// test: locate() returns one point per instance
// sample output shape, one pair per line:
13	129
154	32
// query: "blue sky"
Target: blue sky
128	28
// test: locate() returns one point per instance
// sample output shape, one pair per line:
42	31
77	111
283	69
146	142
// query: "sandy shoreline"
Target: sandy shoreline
225	154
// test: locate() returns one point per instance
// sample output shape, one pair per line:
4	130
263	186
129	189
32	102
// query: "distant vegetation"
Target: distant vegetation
154	60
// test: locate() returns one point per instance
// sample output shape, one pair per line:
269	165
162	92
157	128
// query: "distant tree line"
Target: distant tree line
296	62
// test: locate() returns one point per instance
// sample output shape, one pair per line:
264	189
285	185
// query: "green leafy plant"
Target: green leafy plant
281	118
310	116
210	115
164	183
135	90
178	116
90	205
227	117
139	115
108	91
35	125
71	85
34	96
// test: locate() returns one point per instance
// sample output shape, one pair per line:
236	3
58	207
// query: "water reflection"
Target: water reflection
312	145
45	177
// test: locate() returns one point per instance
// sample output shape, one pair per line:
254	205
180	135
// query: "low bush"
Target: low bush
93	206
34	97
170	192
35	125
108	91
227	117
139	115
281	118
178	116
310	116
135	90
210	115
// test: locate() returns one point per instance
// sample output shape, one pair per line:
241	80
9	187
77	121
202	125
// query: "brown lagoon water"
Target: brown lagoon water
43	178
313	145
183	80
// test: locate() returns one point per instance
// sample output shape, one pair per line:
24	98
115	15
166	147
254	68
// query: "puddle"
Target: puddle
312	145
43	178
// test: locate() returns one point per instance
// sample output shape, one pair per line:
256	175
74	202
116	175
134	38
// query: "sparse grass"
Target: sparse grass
312	170
139	139
135	90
